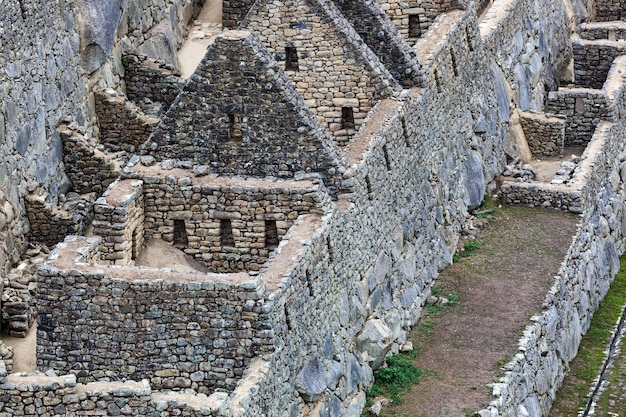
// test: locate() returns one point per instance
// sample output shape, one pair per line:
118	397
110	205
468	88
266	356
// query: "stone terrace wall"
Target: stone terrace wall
177	330
381	35
610	30
552	340
401	12
123	126
41	84
545	134
538	47
583	108
593	59
48	223
149	83
335	69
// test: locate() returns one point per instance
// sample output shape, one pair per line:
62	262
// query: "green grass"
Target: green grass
399	375
591	354
468	248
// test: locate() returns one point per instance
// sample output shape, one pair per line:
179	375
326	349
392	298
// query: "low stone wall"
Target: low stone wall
178	330
123	126
149	84
89	169
544	133
593	59
610	31
583	109
50	224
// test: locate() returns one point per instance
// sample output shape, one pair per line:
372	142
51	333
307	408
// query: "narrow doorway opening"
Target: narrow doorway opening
415	30
271	234
347	118
180	234
291	59
226	233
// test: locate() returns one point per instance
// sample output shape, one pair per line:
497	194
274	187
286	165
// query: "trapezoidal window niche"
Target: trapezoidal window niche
415	30
235	127
271	234
291	59
226	233
347	118
180	234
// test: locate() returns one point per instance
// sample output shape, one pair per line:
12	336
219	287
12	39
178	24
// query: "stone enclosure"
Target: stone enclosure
315	173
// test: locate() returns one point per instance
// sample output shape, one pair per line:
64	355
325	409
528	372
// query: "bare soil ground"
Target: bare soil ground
205	29
499	287
546	167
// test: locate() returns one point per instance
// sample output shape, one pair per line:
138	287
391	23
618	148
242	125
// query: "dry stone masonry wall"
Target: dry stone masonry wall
334	71
301	335
545	134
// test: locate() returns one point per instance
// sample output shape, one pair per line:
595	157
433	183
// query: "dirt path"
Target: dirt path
499	287
205	29
24	351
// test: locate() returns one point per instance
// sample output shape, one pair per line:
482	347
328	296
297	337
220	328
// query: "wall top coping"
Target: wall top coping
436	38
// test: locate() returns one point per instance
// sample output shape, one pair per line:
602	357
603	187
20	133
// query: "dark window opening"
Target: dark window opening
368	184
331	258
437	80
415	30
454	64
347	118
386	155
291	59
180	234
226	233
469	38
234	121
271	234
405	131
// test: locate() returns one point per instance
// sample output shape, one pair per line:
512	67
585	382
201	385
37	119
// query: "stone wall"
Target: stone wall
149	84
609	10
381	35
337	75
611	31
89	169
545	134
245	125
234	11
551	341
593	59
119	218
583	109
40	85
177	330
123	126
537	55
50	224
413	18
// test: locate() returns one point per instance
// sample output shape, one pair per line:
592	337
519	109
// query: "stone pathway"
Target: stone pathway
204	30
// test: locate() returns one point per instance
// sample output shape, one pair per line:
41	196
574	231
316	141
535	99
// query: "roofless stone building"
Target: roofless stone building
316	170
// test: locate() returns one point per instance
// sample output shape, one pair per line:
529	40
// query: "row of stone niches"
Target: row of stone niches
236	123
226	234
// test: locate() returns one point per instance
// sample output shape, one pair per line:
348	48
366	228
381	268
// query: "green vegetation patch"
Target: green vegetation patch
591	354
399	375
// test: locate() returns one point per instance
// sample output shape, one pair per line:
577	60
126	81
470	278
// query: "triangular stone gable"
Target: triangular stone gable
381	35
240	114
335	72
